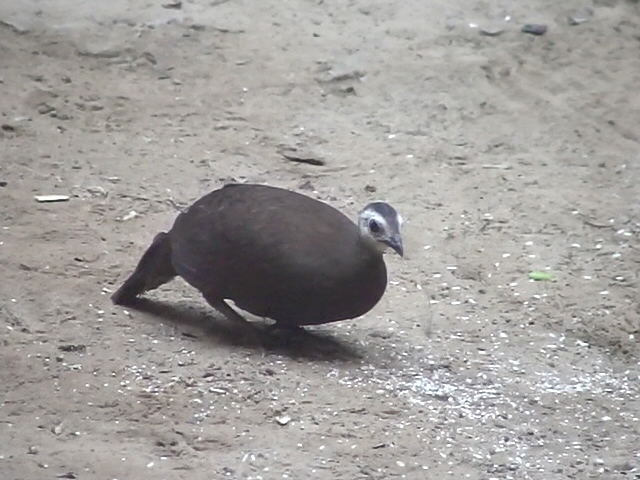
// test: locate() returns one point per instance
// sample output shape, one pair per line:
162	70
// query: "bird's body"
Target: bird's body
274	252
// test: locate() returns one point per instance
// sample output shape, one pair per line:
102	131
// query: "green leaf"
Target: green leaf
541	276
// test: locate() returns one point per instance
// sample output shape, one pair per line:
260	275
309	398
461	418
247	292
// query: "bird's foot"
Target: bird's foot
285	327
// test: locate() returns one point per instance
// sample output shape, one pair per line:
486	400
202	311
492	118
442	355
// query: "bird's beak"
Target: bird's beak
395	242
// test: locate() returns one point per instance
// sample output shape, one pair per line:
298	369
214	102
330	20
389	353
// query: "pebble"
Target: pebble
491	31
283	420
579	17
96	190
99	51
45	108
534	29
176	5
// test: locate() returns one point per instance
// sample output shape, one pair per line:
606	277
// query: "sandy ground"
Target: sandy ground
506	154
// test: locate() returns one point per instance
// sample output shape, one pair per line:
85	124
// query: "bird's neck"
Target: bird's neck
371	246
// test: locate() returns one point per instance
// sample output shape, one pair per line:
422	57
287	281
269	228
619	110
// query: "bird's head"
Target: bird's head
380	223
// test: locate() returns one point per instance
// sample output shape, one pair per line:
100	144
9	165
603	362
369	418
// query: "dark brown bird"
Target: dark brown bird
275	253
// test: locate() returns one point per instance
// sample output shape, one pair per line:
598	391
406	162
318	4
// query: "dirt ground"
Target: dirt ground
506	154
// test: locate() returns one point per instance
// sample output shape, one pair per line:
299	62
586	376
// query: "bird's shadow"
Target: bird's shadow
294	343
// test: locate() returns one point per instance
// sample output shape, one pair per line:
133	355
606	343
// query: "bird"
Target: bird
275	253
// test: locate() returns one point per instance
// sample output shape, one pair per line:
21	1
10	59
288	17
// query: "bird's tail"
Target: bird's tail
154	269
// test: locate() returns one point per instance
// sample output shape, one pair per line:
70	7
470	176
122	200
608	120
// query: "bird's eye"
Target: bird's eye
374	226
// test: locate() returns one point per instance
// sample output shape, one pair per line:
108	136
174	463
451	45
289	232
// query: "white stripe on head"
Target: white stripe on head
384	215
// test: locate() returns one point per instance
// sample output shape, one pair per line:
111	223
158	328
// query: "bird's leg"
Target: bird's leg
250	331
287	334
222	307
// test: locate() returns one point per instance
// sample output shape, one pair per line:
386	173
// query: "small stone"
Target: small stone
97	190
579	17
45	108
283	420
534	29
339	72
71	475
99	51
33	450
345	91
491	31
500	423
73	348
177	5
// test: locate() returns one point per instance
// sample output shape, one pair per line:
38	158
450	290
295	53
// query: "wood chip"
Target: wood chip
52	198
130	215
295	156
496	166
